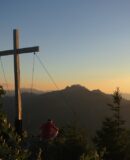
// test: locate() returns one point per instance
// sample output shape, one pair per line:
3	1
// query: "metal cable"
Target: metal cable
46	70
33	69
62	96
2	66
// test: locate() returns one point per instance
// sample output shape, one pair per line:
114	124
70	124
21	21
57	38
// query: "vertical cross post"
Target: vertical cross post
16	51
18	105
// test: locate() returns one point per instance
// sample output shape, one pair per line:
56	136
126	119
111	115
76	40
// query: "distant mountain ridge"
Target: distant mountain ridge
126	96
25	90
74	103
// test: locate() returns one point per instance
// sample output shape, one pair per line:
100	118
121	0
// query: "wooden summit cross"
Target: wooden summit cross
16	51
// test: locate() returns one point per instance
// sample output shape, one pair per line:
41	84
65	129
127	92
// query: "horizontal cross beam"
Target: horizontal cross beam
20	51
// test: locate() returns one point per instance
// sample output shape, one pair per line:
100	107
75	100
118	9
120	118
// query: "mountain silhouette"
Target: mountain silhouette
72	104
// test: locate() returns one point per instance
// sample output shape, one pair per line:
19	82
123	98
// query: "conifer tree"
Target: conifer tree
112	138
10	142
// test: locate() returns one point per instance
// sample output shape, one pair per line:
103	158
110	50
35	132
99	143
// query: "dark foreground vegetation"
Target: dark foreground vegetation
112	141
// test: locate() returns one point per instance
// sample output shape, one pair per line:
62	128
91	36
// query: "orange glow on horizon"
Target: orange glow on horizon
106	86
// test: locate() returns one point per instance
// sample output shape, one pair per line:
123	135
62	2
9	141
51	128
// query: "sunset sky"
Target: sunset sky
83	42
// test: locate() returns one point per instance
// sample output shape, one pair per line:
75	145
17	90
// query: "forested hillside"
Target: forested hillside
75	103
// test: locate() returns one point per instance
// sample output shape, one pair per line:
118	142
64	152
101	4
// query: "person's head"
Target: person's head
50	121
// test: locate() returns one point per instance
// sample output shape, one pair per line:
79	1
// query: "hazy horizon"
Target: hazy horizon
38	91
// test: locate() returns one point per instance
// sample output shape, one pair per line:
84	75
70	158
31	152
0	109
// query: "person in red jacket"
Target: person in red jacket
49	131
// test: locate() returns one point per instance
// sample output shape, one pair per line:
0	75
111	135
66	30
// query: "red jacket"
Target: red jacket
49	130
